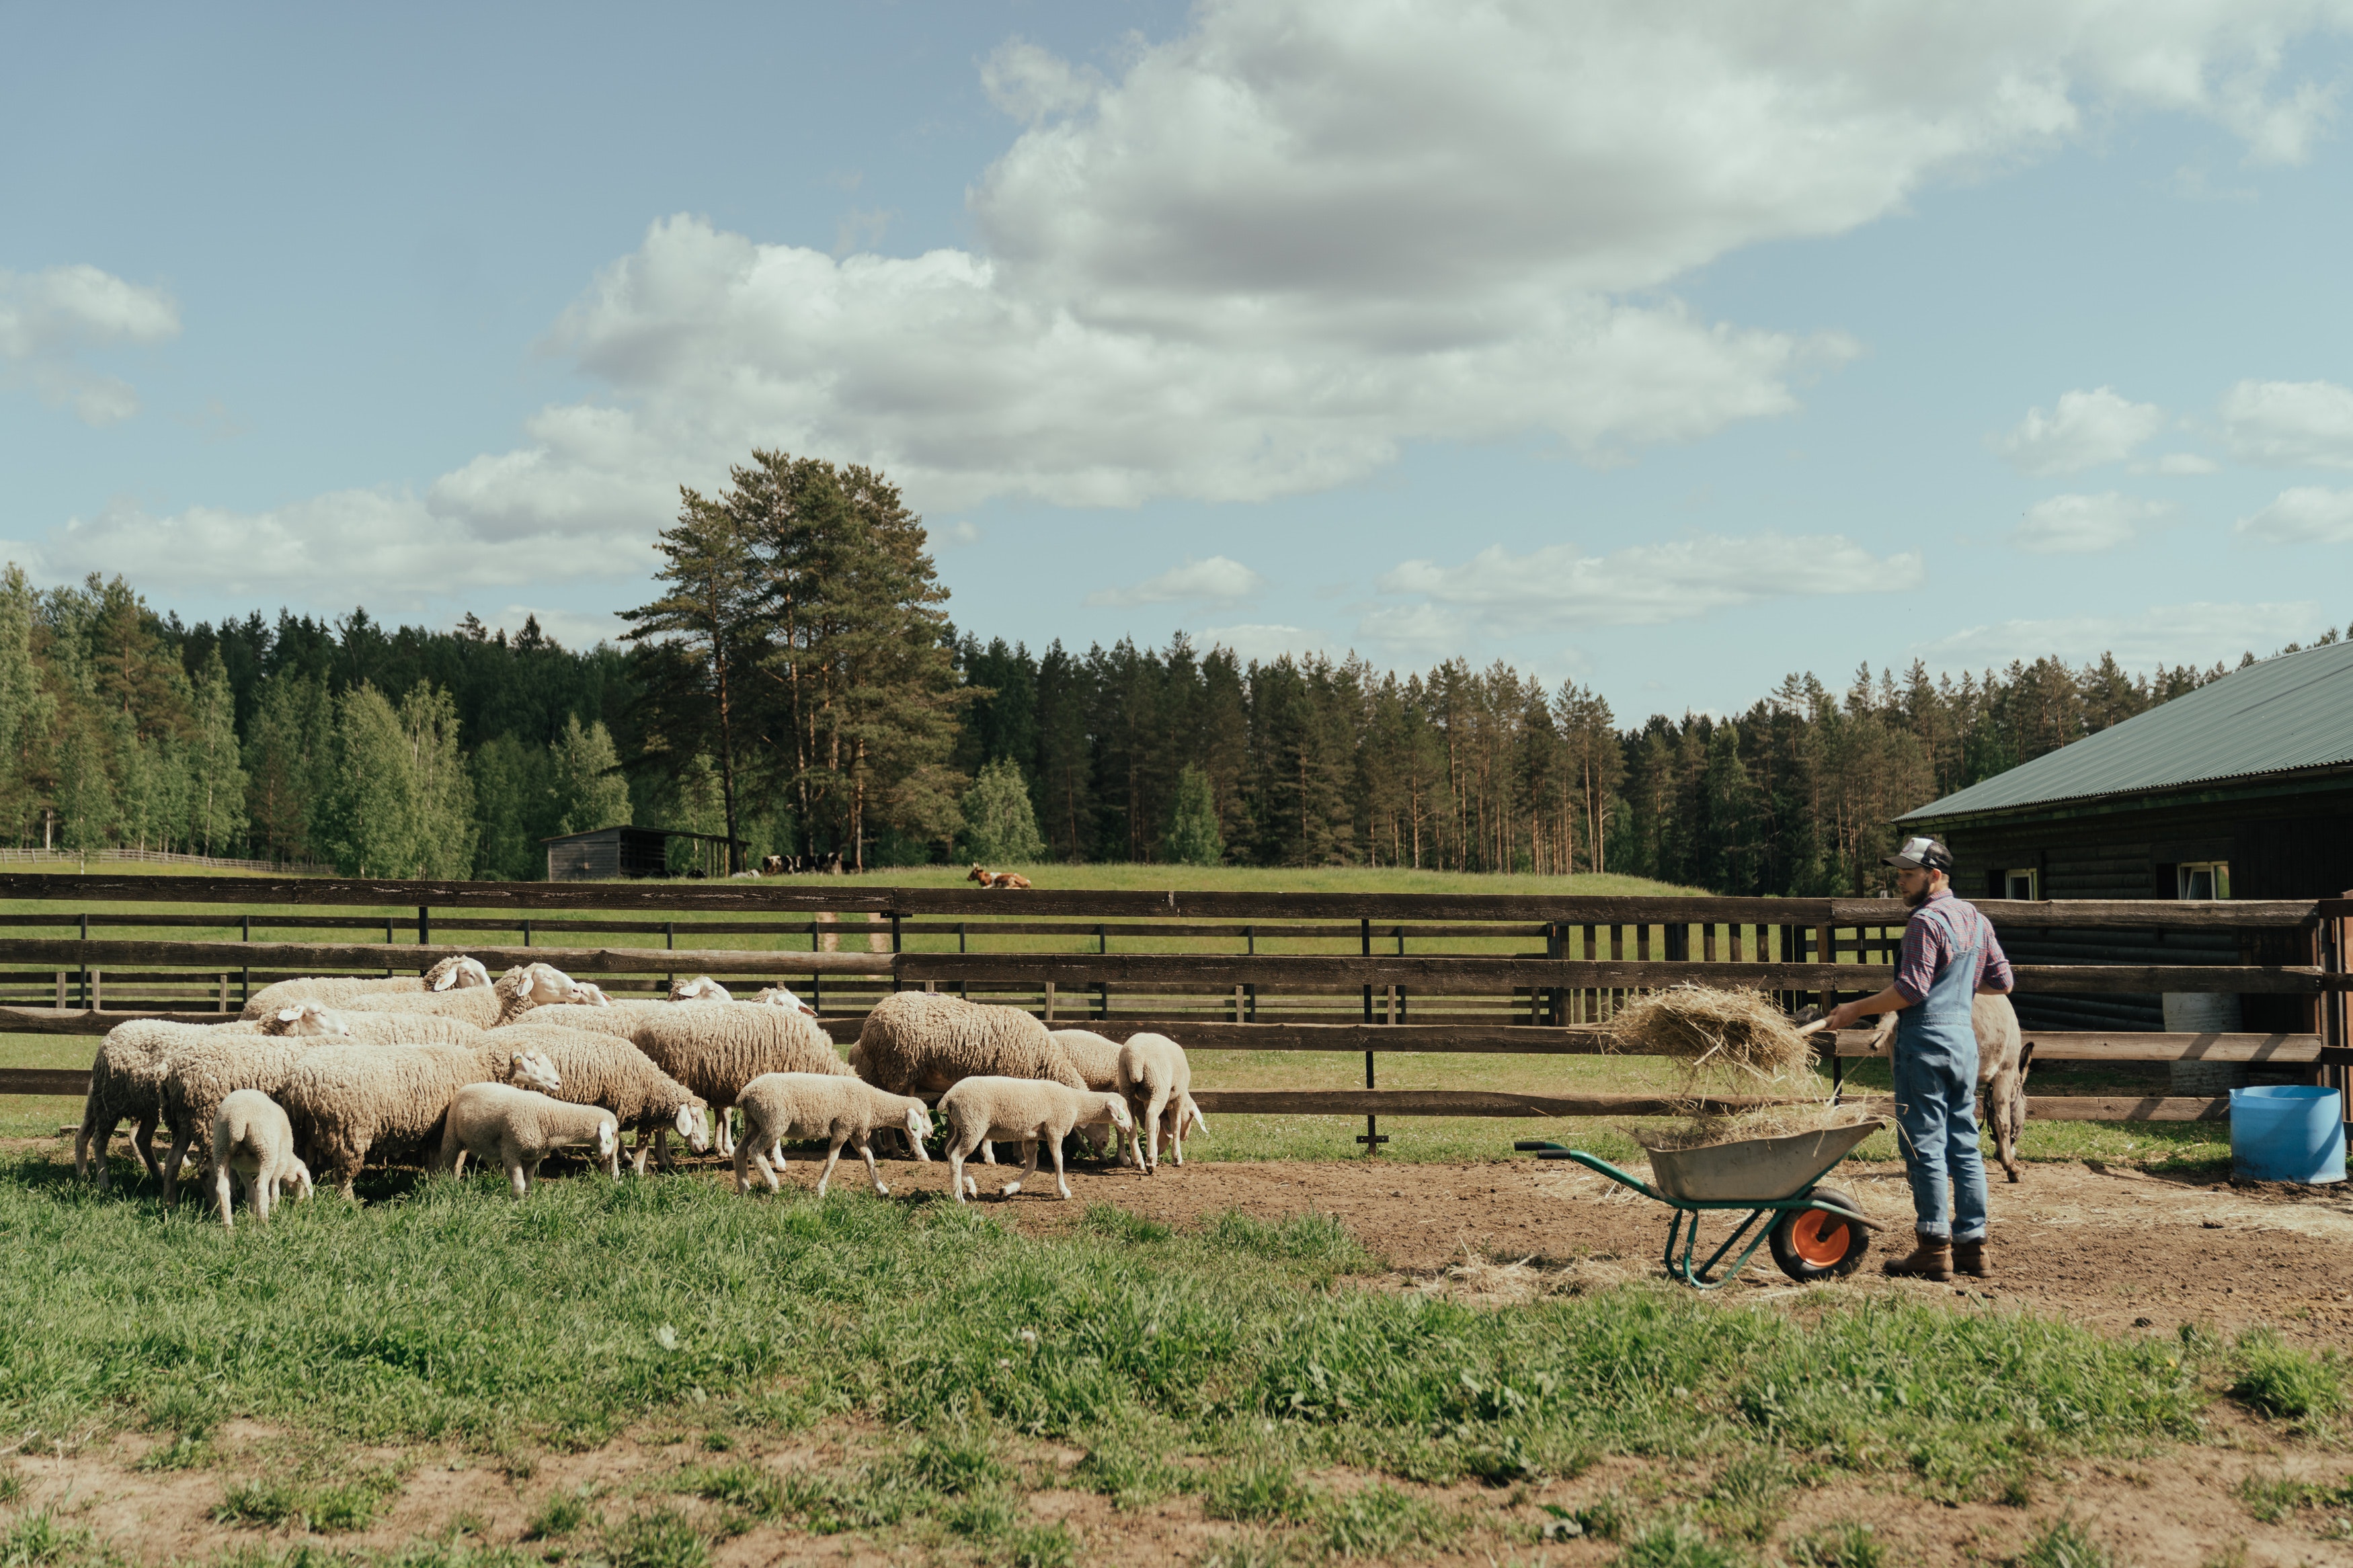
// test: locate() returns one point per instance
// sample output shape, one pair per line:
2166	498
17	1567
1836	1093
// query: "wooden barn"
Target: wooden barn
606	852
2241	789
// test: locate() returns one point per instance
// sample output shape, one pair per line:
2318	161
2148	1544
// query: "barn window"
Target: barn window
2202	879
2024	883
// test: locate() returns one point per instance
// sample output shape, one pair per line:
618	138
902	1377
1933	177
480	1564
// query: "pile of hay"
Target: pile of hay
1704	1131
1727	1035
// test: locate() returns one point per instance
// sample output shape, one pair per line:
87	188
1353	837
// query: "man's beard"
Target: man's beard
1915	900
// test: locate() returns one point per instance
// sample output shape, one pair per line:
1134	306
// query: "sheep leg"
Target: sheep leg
300	1177
521	1174
1062	1181
181	1137
1158	1109
90	1146
223	1194
1028	1167
866	1152
142	1144
955	1168
265	1192
1176	1138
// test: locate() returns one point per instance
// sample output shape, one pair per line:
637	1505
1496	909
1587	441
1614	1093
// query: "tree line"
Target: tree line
795	685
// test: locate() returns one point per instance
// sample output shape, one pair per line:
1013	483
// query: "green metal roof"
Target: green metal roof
2280	716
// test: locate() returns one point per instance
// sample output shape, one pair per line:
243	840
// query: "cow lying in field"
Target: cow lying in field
989	879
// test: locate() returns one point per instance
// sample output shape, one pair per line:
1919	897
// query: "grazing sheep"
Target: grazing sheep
518	1128
841	1108
1097	1058
716	1049
701	988
604	1070
1023	1111
338	991
347	1099
1154	1079
253	1142
780	996
126	1081
2002	1063
989	879
916	1042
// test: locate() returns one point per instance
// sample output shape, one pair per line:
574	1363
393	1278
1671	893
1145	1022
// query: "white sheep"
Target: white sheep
512	994
1156	1082
348	1099
917	1042
518	1128
701	988
252	1142
457	974
781	996
1024	1110
126	1081
597	1069
840	1109
1097	1058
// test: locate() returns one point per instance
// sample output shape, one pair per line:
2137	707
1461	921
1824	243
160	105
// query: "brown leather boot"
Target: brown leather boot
1932	1258
1970	1258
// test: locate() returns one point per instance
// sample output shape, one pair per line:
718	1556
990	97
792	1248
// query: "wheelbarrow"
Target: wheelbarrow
1816	1232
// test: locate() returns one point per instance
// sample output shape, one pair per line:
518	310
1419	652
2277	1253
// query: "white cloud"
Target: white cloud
2199	634
50	319
2186	463
2290	424
956	535
2078	525
2309	515
1265	643
1645	584
1261	258
2087	429
1219	580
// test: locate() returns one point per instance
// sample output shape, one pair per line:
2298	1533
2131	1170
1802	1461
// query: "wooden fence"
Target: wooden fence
1368	973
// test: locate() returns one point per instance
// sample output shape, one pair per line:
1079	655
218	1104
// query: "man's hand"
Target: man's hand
1845	1015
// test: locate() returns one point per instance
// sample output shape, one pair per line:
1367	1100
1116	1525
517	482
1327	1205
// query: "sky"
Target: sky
1666	350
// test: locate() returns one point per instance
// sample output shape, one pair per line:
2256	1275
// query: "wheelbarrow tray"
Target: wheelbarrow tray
1754	1170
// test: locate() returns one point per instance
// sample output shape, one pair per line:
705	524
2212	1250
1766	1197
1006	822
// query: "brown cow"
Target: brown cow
989	879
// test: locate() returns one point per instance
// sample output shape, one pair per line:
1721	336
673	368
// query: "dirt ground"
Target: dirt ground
2107	1246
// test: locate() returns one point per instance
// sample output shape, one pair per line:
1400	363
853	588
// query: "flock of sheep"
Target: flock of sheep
323	1074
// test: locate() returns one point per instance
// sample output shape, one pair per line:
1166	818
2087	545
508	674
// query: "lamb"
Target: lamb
252	1140
2002	1063
337	990
603	1069
915	1042
1027	1110
1156	1082
207	1068
519	1127
842	1109
349	1098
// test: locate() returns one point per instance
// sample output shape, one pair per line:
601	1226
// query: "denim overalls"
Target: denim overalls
1936	1067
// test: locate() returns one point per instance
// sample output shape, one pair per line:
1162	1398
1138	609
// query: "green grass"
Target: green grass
1232	1359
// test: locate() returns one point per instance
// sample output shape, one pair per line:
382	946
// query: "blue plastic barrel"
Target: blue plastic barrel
2288	1133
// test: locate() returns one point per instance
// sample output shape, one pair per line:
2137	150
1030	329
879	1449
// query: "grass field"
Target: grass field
932	1386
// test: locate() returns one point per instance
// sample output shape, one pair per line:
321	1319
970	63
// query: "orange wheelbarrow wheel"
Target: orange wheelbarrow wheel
1811	1244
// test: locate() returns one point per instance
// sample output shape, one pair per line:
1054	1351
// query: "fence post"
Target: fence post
1372	1140
1828	956
423	926
669	944
84	984
1102	987
244	975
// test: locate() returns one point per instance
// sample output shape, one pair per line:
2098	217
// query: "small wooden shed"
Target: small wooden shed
2242	788
604	853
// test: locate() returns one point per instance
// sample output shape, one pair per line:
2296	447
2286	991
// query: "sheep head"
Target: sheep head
694	1124
701	988
608	1136
586	993
1185	1111
531	1069
1116	1109
918	1127
779	996
305	1018
534	985
457	975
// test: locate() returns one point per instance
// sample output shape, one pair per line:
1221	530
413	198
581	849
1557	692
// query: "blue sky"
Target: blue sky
1666	355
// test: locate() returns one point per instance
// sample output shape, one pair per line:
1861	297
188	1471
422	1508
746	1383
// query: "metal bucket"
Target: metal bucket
1755	1169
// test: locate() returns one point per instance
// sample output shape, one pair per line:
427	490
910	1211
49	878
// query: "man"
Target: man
1949	955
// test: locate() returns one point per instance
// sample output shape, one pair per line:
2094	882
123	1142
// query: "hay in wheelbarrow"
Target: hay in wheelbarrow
1733	1036
1706	1131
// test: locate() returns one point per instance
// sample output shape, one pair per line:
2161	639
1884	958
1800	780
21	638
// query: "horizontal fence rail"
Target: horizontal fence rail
1330	972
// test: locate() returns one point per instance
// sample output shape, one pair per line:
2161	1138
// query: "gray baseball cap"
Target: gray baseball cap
1922	854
